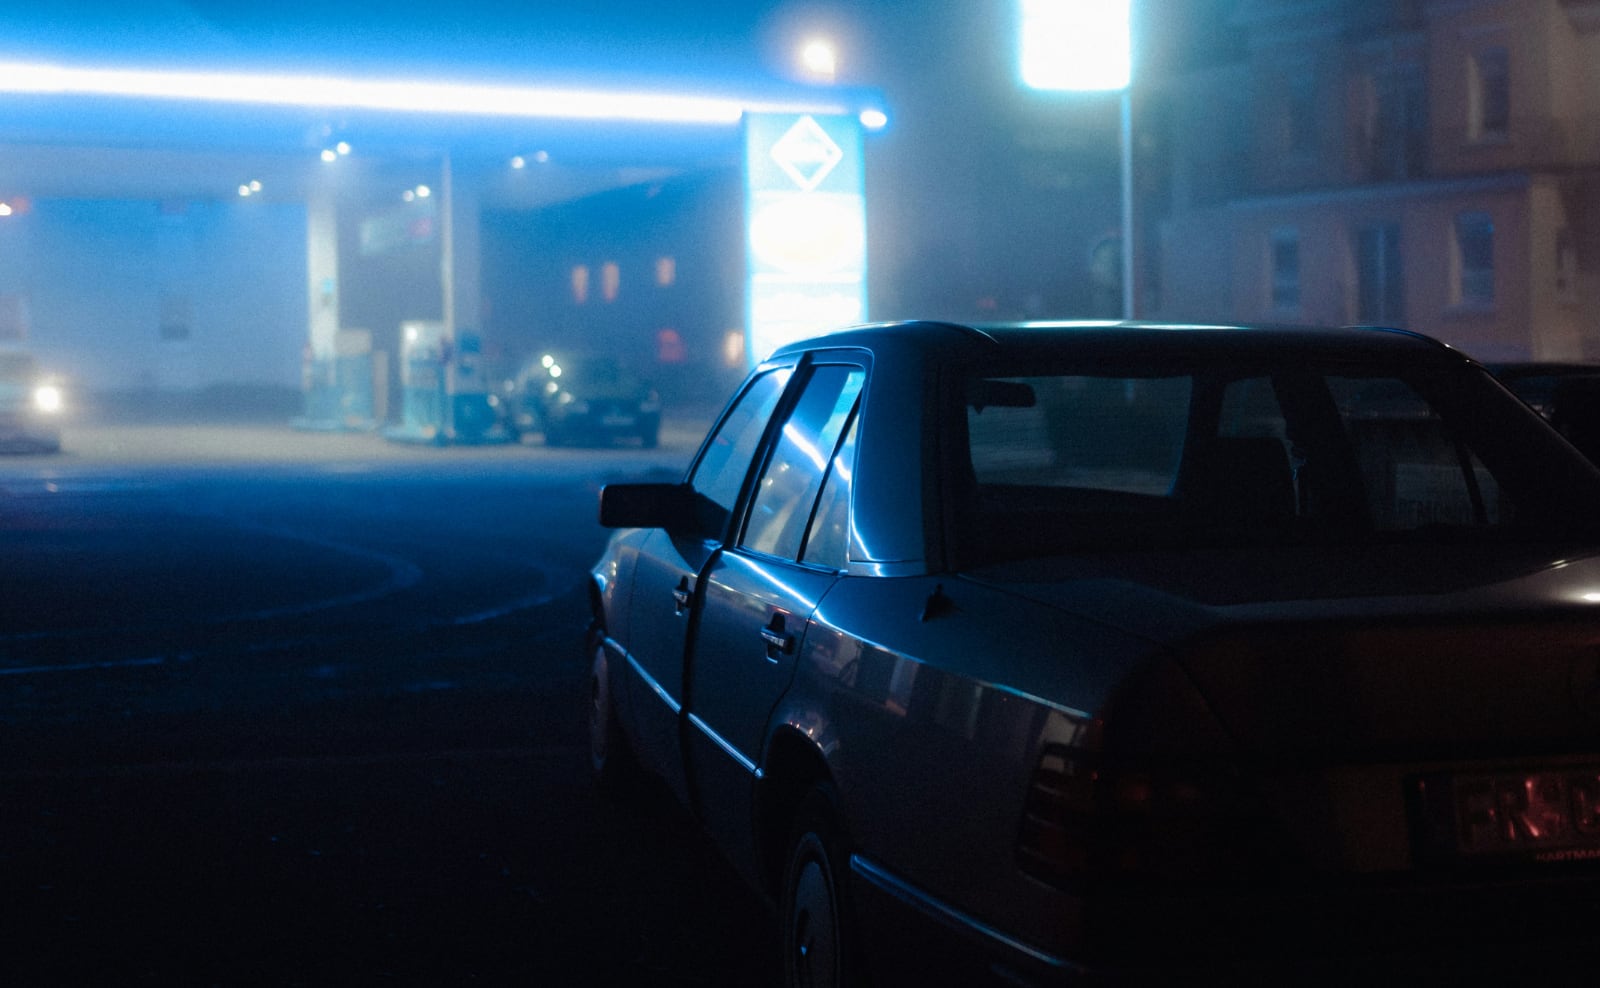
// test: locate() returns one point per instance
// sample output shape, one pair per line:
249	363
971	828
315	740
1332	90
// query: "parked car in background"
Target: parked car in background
1566	394
1016	654
585	399
31	405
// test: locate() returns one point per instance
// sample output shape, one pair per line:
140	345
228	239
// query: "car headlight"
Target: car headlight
47	398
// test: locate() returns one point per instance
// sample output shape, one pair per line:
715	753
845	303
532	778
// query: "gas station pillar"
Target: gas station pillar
319	374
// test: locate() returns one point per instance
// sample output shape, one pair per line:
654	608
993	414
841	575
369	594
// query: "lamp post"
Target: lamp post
1086	46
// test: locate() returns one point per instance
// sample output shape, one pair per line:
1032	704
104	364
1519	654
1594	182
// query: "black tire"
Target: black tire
816	934
612	764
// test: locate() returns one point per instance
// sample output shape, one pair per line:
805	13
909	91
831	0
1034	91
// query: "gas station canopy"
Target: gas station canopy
139	132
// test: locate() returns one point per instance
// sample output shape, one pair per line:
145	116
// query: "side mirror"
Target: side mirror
668	506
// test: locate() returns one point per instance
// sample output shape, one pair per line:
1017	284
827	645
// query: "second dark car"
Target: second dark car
1566	394
575	400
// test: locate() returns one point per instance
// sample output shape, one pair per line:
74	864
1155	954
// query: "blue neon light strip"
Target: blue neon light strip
393	95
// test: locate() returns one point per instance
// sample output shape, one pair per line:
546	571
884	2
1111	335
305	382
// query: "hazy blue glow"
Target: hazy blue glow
394	95
1076	44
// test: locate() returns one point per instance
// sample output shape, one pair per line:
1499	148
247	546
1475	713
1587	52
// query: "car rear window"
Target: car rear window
1233	454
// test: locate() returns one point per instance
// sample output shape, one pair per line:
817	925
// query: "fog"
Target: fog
187	258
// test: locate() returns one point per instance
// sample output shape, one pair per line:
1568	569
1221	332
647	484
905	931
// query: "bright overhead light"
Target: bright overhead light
423	192
519	162
390	94
874	119
5	209
329	154
1076	44
343	147
819	59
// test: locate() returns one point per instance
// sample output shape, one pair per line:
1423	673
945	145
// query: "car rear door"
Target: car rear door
758	595
664	600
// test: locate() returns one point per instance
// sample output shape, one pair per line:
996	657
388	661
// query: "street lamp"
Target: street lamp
819	59
1086	46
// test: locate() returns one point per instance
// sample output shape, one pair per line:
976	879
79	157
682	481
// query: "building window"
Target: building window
175	318
670	346
666	271
1397	124
1566	267
1301	106
1490	93
1286	270
1474	259
580	283
13	317
610	281
1380	287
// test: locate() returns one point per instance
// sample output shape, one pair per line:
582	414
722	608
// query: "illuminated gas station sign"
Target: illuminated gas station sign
805	229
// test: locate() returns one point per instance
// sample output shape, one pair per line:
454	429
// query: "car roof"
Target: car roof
1543	368
955	341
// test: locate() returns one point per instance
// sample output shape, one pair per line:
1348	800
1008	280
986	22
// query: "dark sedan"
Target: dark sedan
1023	654
1566	394
581	399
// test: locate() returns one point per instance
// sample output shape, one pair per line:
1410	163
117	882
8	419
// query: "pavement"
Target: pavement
92	445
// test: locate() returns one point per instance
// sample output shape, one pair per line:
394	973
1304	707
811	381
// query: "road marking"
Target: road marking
86	666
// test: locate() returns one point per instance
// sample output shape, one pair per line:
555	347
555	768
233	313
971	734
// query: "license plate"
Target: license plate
616	421
1542	815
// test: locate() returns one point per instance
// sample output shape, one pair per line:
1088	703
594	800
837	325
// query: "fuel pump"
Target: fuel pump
444	390
423	356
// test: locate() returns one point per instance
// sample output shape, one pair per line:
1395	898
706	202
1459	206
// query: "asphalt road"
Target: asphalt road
299	709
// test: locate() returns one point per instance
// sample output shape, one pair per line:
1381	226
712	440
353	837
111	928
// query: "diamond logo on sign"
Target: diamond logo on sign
806	153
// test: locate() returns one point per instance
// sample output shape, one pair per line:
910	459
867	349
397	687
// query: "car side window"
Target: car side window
720	473
828	542
781	510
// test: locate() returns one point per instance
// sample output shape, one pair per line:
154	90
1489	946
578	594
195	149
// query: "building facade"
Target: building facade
1432	164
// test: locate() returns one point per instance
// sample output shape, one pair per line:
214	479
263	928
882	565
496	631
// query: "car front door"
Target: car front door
758	595
667	575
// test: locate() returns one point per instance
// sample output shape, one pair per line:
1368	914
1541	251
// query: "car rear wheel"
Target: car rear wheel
611	761
817	950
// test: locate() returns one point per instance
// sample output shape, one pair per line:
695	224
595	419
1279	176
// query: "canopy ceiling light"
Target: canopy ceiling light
392	95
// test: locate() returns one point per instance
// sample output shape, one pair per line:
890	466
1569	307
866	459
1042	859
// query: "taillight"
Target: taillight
1087	816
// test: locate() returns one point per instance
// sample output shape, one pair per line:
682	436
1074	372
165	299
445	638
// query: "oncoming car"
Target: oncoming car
31	405
1021	654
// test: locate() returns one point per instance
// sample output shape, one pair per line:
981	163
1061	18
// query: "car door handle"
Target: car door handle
682	596
778	641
